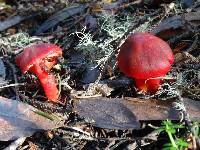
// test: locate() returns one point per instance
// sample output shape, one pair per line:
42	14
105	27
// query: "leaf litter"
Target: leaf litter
19	120
110	24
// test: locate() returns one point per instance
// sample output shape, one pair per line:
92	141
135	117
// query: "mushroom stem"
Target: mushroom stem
47	81
148	85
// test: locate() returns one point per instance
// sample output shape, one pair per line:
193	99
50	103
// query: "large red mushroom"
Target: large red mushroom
39	59
145	58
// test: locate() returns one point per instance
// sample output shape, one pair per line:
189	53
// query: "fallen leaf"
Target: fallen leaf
176	25
170	27
60	16
125	113
11	22
107	113
18	119
193	109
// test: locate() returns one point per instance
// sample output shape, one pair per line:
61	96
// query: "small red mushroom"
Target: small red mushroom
145	58
39	59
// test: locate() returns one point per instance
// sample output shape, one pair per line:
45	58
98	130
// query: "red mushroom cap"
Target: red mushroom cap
39	59
37	53
144	56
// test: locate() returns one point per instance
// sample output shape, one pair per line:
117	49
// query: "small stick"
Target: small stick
10	85
15	78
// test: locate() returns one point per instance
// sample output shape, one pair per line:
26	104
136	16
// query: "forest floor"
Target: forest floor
99	107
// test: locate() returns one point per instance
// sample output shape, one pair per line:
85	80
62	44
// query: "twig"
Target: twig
14	145
10	85
15	78
194	44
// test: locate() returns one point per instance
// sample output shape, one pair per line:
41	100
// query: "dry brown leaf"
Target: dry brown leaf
18	119
106	113
176	25
125	113
170	27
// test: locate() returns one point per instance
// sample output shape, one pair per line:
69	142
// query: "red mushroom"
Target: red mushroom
145	58
39	59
